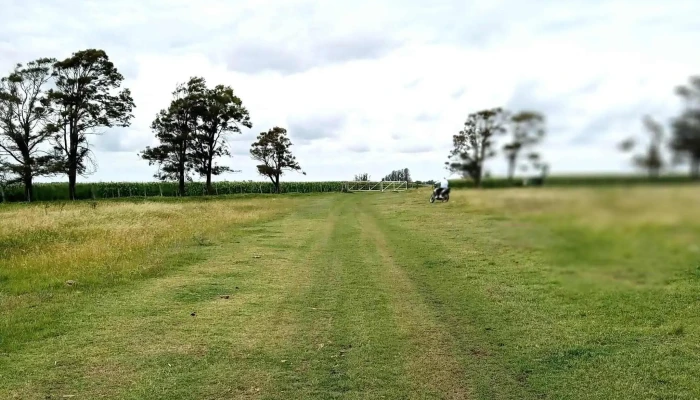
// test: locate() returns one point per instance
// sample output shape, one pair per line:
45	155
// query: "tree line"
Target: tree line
683	143
193	131
477	142
50	109
403	175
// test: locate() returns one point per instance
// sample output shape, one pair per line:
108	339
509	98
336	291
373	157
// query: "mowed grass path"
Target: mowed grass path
517	294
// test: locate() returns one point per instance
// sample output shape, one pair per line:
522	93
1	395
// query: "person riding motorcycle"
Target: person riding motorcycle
444	184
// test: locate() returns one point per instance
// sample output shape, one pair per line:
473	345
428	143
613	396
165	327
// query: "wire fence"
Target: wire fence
111	190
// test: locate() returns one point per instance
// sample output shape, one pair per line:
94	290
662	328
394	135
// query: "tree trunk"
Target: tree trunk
181	184
28	186
511	167
277	183
72	178
653	173
695	168
181	177
477	176
27	173
209	191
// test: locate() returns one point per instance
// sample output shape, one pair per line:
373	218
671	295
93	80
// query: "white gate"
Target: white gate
382	186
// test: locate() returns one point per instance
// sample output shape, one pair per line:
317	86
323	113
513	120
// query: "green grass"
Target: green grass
512	294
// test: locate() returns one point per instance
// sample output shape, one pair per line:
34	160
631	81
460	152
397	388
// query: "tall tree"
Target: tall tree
651	159
474	144
685	142
84	101
222	114
24	111
528	129
176	128
272	150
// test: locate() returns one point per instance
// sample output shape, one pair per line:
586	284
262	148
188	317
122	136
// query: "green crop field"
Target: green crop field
111	190
527	293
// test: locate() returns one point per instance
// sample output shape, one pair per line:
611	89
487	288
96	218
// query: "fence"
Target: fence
382	186
108	190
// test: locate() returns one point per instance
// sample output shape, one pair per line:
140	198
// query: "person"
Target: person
444	184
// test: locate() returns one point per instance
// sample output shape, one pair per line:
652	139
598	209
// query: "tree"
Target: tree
474	144
652	159
84	101
222	114
403	175
175	129
24	112
685	142
527	130
272	149
363	177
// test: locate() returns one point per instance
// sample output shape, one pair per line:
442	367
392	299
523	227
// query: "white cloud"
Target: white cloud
372	86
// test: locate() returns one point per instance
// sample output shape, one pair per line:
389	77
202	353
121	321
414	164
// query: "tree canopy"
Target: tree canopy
272	150
474	144
24	112
527	129
84	101
685	142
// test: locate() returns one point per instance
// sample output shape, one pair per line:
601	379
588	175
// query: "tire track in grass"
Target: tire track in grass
142	342
350	347
263	322
432	364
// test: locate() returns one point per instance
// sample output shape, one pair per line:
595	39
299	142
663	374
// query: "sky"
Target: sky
377	85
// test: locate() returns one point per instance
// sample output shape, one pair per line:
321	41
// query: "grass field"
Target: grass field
501	294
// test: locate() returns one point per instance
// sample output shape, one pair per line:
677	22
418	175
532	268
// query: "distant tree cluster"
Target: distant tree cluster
363	177
193	133
403	175
477	142
49	109
684	141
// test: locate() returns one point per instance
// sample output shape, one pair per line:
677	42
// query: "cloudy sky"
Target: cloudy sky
375	85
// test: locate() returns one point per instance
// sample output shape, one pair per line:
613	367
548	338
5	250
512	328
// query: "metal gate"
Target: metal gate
381	186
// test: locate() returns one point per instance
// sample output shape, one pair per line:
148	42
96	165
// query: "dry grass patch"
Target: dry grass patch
47	245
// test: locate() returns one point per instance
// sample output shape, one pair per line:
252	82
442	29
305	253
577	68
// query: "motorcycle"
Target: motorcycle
444	196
